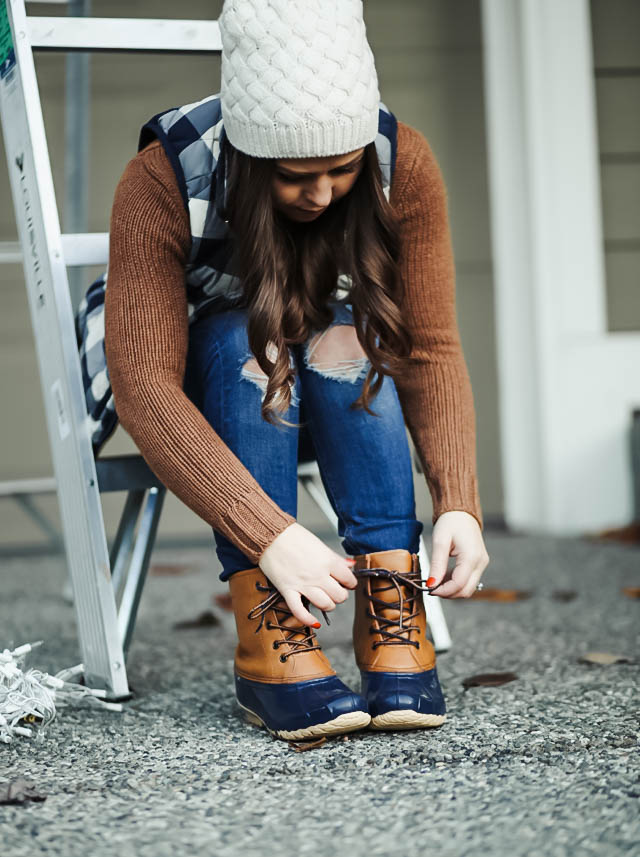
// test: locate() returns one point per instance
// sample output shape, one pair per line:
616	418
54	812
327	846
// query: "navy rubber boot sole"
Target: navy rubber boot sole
404	700
300	710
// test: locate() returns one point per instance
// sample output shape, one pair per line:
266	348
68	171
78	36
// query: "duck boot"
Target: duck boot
397	661
283	680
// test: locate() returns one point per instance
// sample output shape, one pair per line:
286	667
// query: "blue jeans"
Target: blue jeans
364	460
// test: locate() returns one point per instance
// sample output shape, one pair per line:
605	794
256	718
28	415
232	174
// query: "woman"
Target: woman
280	263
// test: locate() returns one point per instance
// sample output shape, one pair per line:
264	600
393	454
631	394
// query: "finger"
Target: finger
478	566
294	603
335	591
344	575
319	597
470	586
449	589
439	560
452	587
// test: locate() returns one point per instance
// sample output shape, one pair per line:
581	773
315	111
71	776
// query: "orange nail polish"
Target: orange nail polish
316	625
351	561
431	581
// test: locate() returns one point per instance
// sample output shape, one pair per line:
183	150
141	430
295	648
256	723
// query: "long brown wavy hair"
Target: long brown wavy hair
289	270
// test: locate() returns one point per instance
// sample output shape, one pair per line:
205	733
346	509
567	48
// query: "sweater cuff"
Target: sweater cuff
263	521
455	491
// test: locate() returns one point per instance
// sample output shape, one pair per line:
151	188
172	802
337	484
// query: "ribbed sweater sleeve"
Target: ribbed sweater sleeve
146	340
435	394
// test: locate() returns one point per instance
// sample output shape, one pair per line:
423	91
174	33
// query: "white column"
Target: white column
567	385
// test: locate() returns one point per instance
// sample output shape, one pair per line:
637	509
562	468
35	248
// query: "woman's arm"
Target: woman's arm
435	393
146	340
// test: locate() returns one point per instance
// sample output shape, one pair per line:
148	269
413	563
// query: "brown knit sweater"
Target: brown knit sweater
146	338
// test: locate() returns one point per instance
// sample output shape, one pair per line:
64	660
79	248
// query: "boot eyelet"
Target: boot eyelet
269	626
283	658
276	644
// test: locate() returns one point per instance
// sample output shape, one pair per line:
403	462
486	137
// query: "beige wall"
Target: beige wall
429	61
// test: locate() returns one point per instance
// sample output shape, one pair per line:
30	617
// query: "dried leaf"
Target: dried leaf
301	746
627	535
563	594
631	591
605	658
493	593
204	620
488	679
19	791
223	601
170	569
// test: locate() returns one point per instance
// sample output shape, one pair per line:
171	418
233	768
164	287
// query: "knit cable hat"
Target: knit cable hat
298	78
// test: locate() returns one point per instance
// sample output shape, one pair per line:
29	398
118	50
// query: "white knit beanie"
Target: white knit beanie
298	78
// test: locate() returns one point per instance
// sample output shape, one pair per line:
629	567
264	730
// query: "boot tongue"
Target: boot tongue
401	561
386	591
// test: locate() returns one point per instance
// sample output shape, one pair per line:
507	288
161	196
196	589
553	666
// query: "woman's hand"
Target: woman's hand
299	563
457	534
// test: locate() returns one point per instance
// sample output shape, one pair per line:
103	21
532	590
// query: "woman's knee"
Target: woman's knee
336	353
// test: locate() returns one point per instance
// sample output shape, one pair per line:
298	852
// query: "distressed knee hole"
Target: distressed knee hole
252	368
336	353
251	371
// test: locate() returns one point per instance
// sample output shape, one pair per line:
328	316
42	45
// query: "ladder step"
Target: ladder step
44	485
83	248
10	253
115	473
125	473
124	34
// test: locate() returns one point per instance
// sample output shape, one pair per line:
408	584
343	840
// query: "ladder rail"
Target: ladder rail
60	374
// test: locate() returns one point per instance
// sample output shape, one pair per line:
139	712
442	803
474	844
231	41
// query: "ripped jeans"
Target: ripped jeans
364	460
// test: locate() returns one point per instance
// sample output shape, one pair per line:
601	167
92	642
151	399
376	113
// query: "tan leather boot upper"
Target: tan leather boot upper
273	646
390	623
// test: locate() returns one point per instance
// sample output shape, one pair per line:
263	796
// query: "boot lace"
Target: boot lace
406	605
275	601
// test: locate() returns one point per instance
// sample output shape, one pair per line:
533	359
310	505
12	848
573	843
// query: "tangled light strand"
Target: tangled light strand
31	696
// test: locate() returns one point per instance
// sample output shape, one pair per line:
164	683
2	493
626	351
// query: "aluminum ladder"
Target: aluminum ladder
106	586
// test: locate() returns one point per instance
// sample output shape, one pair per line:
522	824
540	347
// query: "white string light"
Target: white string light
30	697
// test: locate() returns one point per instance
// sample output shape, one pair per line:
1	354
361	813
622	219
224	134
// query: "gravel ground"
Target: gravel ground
545	765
